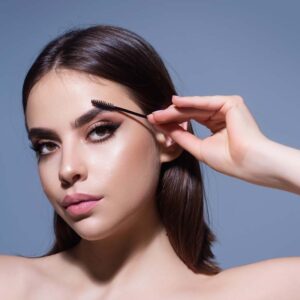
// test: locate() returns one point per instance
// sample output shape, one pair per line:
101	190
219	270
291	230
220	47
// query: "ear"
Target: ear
169	149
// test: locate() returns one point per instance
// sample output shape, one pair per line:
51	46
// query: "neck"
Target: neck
126	257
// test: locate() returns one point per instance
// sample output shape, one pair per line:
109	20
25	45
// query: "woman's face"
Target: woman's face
119	161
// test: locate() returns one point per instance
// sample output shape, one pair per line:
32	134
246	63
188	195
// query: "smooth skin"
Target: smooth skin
131	236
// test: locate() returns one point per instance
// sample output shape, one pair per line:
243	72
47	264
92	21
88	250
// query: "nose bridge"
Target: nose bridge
72	164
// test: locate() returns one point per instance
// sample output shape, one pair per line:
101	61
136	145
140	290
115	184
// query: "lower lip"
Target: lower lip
81	208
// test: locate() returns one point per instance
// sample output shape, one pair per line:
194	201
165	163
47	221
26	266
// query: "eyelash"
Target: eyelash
109	126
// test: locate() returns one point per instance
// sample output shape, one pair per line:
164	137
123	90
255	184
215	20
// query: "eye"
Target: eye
99	133
42	148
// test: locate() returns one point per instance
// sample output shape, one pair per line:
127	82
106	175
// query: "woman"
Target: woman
139	231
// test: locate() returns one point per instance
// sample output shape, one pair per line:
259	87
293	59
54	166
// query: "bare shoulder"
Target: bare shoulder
13	272
20	276
277	278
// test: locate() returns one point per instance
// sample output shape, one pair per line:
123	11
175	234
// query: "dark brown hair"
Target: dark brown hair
122	56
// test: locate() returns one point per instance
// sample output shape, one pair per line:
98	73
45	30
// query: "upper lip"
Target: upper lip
78	197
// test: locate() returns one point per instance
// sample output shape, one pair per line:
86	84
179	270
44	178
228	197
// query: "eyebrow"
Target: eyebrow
40	132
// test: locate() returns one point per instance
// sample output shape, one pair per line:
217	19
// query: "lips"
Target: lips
78	197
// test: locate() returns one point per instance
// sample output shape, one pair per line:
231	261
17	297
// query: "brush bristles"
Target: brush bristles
109	106
103	104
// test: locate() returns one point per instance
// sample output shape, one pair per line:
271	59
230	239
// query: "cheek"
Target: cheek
128	168
49	180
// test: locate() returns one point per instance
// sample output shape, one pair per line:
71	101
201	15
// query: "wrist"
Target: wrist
275	165
262	163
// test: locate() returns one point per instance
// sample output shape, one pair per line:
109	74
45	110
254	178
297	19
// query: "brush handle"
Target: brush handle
109	106
129	111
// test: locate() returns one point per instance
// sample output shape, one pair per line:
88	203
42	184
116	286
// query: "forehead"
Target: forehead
65	94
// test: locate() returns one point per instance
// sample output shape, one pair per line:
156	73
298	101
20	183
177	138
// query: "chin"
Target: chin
94	230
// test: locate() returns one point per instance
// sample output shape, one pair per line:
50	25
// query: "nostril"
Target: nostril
75	178
65	184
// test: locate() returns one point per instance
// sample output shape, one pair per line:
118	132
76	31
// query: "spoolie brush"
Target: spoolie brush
111	107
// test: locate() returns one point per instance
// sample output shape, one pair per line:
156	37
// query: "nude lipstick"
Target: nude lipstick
78	204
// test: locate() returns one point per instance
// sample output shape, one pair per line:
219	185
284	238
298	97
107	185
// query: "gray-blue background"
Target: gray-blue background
211	47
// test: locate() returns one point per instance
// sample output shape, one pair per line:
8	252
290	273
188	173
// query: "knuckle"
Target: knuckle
237	99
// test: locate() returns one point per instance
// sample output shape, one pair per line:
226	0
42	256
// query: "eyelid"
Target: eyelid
96	122
36	143
101	122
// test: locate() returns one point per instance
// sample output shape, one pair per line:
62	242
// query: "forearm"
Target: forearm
277	166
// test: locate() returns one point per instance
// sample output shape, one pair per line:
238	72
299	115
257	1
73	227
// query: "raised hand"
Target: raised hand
236	145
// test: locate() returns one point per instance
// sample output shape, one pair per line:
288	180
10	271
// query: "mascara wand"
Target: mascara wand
111	107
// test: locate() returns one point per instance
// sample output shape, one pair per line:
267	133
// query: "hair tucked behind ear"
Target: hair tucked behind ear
122	56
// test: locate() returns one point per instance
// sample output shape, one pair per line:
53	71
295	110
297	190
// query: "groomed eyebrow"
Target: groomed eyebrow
45	133
86	117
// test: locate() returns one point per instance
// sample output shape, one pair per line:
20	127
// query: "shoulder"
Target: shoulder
277	278
19	276
33	277
13	272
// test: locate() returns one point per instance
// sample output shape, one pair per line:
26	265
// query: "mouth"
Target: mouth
78	198
82	207
79	203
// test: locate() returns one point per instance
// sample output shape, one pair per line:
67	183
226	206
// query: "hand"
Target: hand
236	139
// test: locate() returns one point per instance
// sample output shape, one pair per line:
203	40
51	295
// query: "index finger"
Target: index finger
204	102
174	114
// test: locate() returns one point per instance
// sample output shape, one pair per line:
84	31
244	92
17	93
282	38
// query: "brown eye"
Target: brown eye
100	133
43	148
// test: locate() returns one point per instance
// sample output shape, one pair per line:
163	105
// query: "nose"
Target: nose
72	166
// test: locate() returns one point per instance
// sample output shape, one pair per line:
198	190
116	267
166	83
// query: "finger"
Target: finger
182	137
218	127
203	102
180	115
207	119
173	114
226	108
